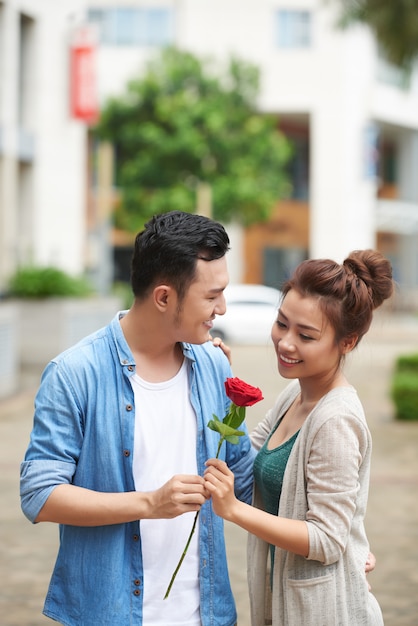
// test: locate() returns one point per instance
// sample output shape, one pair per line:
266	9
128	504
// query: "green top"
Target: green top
269	468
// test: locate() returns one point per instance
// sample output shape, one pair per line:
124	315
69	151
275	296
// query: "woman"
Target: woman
311	473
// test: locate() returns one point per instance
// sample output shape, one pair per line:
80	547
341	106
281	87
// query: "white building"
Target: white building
42	149
358	165
353	118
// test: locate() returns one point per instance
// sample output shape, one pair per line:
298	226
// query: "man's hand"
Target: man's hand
181	494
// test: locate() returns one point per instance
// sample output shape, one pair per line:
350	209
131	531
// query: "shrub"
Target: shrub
405	387
45	282
407	362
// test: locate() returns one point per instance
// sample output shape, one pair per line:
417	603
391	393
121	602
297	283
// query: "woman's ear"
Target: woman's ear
349	343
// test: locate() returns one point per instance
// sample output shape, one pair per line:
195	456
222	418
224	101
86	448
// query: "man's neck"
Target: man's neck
157	358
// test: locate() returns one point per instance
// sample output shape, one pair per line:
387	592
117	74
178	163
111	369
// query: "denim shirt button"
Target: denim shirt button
130	368
137	582
135	537
126	453
129	407
137	592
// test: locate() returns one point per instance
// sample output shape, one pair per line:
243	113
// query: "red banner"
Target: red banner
84	101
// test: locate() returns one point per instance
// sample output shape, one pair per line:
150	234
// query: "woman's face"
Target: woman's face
304	339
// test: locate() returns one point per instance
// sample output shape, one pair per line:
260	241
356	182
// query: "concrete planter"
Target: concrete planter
47	327
9	348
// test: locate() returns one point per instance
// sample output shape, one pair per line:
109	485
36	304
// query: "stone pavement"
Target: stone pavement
28	552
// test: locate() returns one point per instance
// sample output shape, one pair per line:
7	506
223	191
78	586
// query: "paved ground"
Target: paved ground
28	552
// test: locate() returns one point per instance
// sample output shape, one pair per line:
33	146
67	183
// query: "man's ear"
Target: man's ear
349	343
162	294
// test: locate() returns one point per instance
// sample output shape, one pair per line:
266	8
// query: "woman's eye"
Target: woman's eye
280	324
306	338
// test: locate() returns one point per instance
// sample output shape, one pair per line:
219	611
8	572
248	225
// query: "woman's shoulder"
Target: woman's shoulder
341	404
343	398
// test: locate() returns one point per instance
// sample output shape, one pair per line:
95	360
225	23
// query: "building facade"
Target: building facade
352	118
42	148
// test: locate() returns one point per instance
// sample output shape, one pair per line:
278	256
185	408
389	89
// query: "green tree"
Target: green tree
393	22
180	124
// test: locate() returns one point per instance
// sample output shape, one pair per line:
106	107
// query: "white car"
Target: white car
250	314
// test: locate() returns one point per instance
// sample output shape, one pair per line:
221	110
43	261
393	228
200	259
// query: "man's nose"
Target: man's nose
220	307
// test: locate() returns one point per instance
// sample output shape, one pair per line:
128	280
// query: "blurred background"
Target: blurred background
293	123
300	134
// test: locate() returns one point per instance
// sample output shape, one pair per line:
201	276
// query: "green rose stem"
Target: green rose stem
186	547
241	395
182	556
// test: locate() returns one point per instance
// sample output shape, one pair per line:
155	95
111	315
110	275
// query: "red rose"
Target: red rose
241	393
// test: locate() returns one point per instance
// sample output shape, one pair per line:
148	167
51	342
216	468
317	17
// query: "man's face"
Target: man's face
202	302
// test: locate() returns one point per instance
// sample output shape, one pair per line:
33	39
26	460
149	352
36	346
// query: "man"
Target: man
120	438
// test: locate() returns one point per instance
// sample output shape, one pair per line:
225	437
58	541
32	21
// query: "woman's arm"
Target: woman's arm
285	533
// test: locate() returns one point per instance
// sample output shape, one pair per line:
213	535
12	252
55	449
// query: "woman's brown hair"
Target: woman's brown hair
348	293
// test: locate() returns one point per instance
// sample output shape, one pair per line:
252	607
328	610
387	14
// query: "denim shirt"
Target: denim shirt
83	434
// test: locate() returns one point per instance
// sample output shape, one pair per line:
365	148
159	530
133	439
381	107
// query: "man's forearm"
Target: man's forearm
77	506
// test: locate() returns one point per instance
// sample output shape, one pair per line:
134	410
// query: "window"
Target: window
293	29
279	264
298	167
388	163
128	26
26	70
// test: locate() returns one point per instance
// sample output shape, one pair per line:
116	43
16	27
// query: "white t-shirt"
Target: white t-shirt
165	445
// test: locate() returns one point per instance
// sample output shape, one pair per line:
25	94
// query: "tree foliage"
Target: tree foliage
180	124
393	22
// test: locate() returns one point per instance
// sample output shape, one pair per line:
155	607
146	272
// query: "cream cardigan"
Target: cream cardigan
325	483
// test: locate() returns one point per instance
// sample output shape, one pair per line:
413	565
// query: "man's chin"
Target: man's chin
199	339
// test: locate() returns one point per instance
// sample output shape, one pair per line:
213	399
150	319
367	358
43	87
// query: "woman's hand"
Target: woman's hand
370	565
219	482
217	341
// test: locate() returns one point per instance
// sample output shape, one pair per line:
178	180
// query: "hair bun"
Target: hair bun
371	267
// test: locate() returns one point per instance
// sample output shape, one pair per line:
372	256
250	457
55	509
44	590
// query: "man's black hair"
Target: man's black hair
168	248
